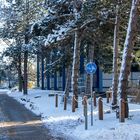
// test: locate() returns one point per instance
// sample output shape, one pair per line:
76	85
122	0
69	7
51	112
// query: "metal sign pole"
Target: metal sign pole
91	69
91	78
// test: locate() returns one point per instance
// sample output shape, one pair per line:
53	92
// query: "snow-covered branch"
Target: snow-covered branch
53	64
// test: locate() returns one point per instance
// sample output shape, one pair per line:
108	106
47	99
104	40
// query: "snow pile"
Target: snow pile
72	124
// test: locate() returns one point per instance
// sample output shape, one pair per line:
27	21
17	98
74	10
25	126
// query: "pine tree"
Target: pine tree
127	53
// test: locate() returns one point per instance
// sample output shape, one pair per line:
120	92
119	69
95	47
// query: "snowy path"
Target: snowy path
18	123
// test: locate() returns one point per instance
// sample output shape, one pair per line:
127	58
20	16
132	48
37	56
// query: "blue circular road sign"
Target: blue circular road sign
91	68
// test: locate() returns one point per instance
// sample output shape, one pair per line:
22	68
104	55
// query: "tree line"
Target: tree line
104	32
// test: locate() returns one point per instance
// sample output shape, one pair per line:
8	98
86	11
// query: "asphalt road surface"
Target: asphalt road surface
18	123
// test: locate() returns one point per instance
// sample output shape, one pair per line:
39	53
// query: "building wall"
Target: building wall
105	81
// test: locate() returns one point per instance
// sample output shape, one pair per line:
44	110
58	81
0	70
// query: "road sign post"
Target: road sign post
91	69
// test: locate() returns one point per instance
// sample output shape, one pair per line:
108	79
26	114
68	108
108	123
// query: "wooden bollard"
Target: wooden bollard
110	94
56	100
65	102
107	97
85	112
73	103
122	111
100	108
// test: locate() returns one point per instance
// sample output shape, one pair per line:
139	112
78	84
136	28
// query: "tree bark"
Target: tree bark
75	66
127	57
20	78
67	87
42	72
25	79
38	71
76	56
115	59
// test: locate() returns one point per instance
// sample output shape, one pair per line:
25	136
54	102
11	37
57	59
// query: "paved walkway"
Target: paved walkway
18	123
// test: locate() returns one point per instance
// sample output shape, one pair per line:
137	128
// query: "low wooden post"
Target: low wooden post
94	98
110	94
100	108
65	102
85	112
122	111
56	100
107	97
73	103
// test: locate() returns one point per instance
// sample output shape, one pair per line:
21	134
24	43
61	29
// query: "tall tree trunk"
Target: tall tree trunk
25	78
63	77
19	68
25	73
115	59
9	82
75	66
67	87
76	56
47	73
42	72
90	59
20	78
25	87
38	71
127	53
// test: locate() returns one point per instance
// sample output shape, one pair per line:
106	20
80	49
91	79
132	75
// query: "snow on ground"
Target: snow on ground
72	124
4	91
